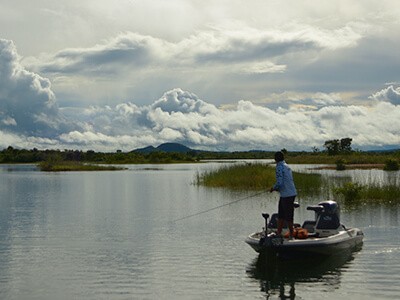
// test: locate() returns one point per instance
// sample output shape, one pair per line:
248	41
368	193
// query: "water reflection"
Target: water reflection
108	235
278	278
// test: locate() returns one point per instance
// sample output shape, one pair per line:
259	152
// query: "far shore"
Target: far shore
352	167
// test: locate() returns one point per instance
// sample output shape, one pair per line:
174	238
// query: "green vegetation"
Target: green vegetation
11	155
354	193
340	165
391	165
337	152
240	177
352	158
255	176
335	147
74	166
261	177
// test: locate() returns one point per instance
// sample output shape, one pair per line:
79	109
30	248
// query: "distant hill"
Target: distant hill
147	149
166	147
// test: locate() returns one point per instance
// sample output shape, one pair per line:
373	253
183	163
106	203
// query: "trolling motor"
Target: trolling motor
274	218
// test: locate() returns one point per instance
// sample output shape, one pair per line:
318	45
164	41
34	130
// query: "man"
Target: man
285	186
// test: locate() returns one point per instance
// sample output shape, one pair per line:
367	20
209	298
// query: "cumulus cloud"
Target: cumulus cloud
30	117
389	94
180	116
27	103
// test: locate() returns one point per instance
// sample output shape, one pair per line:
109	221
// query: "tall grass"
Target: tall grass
64	166
260	176
255	176
349	158
239	177
355	193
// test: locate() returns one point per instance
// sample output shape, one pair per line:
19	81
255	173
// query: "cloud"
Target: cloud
129	49
226	62
245	45
389	94
30	117
27	103
181	116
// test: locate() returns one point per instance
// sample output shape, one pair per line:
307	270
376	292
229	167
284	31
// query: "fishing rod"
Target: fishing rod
217	207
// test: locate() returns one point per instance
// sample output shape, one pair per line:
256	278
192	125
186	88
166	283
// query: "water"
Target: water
120	235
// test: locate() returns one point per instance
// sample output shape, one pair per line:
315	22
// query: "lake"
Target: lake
148	233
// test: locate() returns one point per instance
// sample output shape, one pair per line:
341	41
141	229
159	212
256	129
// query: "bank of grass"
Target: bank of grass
353	158
254	176
66	166
238	177
355	193
260	176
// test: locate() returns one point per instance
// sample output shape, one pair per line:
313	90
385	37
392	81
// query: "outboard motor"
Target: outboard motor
328	219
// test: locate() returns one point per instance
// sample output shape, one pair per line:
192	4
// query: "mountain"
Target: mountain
173	147
166	147
146	150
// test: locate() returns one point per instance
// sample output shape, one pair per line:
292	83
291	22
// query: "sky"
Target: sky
213	75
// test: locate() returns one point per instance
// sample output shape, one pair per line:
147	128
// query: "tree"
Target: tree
315	149
345	145
332	146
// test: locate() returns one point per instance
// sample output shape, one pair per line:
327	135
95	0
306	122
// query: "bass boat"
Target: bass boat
324	235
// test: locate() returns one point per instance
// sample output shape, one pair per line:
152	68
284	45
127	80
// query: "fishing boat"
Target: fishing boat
324	235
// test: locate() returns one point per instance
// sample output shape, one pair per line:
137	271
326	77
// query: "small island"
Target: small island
65	166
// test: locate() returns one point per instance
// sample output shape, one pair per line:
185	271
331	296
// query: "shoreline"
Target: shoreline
353	167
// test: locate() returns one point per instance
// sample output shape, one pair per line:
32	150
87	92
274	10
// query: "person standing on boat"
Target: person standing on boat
287	190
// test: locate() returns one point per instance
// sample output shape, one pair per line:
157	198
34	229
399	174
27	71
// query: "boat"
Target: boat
324	235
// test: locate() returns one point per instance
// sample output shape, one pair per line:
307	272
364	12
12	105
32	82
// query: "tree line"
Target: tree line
334	147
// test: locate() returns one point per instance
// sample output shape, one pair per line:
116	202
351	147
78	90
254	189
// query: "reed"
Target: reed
260	176
355	193
255	176
74	166
239	177
349	158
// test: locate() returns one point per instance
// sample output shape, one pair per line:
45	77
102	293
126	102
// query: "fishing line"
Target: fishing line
217	207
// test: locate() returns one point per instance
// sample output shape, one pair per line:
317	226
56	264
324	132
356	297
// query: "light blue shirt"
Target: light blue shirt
284	180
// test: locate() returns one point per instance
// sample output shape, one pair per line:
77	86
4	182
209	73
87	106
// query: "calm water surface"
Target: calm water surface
124	235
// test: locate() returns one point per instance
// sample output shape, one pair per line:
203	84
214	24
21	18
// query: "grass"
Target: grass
239	177
74	166
255	176
353	158
259	176
354	193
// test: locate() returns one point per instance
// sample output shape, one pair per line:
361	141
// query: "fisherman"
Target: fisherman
287	190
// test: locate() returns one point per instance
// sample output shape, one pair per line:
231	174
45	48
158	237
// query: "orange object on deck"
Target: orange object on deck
298	233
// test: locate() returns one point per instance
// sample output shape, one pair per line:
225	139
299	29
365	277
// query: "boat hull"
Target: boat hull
344	240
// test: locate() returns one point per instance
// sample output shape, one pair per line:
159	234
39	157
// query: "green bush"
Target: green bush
350	191
391	165
340	165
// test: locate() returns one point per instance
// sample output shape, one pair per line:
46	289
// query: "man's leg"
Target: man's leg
281	220
290	225
280	226
290	215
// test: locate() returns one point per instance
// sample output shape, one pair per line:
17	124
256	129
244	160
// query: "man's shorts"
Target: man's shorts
286	208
